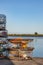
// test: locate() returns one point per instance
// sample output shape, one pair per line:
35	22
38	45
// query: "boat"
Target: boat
20	42
21	47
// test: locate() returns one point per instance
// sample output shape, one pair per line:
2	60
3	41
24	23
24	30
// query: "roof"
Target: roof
19	40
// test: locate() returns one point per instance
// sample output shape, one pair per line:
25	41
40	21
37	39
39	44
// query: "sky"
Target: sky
23	16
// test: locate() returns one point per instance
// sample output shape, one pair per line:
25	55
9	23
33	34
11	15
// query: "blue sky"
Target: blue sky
23	16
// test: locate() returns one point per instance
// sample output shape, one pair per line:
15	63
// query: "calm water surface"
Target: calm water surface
37	43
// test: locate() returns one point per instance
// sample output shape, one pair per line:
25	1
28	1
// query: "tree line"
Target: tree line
35	34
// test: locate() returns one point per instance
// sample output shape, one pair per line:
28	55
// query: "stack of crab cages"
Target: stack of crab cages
3	36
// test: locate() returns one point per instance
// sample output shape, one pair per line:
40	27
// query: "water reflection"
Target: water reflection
38	44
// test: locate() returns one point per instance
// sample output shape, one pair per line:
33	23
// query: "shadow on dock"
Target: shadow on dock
6	61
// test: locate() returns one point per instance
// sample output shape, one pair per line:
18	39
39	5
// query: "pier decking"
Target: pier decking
34	61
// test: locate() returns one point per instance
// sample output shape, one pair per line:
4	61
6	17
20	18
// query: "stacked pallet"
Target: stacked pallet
3	36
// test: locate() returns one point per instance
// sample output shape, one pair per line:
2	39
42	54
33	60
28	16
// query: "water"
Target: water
37	44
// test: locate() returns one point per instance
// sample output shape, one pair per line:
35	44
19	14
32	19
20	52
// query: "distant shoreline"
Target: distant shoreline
27	35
